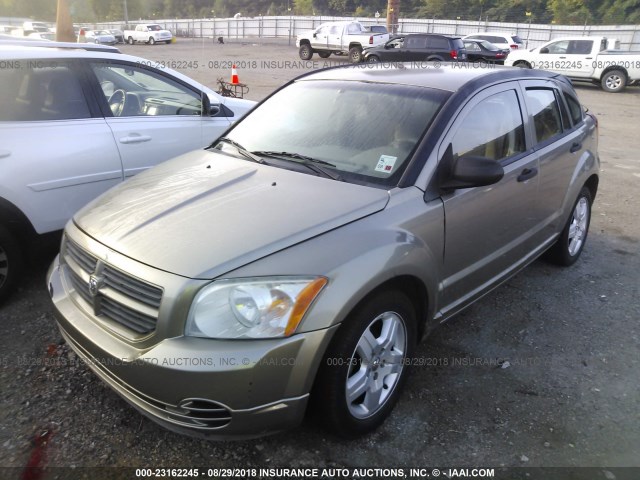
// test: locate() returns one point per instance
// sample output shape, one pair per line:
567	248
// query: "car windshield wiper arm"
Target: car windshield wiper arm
309	162
241	150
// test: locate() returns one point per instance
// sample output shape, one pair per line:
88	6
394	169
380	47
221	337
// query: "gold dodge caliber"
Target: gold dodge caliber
298	260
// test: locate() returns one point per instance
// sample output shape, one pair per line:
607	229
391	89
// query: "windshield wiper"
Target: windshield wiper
241	150
309	162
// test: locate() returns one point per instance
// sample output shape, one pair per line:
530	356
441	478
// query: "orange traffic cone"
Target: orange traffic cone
234	75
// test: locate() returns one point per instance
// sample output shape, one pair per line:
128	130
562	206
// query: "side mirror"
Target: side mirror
544	50
315	35
467	172
214	110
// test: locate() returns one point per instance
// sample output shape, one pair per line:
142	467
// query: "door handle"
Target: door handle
135	138
575	147
527	173
4	153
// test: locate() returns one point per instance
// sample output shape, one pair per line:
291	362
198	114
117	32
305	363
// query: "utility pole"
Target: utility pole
393	11
64	25
126	14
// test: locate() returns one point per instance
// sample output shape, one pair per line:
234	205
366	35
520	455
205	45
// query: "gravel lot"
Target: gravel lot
544	371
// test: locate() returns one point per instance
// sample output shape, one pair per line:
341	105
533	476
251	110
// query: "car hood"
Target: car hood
204	213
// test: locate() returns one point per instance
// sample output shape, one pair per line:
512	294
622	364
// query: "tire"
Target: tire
324	54
373	59
614	81
522	65
152	41
10	262
130	41
305	52
569	246
356	389
355	54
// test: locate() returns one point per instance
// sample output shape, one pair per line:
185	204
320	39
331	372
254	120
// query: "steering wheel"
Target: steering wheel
117	101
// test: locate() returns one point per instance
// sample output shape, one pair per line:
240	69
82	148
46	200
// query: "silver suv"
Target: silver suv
299	259
76	119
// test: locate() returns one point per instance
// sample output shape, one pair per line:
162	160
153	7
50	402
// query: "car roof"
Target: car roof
447	76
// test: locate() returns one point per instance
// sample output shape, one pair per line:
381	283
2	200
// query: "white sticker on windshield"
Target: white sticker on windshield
386	163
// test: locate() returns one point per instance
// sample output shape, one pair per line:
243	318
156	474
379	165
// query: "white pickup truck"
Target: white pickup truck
583	59
340	38
150	33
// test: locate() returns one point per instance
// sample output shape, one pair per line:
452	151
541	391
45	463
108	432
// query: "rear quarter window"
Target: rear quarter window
575	109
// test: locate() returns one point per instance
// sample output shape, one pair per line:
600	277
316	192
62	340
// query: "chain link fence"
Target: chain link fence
261	29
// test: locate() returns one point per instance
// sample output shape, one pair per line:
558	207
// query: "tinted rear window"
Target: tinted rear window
457	43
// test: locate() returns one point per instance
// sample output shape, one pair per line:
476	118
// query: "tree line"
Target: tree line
572	12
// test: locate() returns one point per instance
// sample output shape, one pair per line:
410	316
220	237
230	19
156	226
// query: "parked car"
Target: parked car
418	47
118	35
75	122
483	51
583	59
299	259
103	37
500	40
339	38
50	36
30	26
150	33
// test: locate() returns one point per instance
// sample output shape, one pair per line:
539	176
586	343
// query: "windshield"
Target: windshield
155	28
366	131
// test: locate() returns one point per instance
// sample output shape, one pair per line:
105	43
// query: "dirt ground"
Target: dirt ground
544	371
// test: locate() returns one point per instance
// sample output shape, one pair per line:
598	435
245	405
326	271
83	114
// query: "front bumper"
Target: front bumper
200	387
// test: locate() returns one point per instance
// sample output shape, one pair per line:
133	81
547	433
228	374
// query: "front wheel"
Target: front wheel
373	59
130	41
364	368
614	81
10	262
569	246
522	65
152	41
305	52
355	54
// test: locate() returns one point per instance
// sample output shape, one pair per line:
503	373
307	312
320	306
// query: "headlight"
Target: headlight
252	307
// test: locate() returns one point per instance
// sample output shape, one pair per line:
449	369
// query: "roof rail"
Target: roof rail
90	47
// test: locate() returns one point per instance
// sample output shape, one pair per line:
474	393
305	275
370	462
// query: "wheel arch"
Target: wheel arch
611	68
592	184
16	221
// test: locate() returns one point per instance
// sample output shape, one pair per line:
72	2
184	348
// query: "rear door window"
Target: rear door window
41	90
575	109
543	108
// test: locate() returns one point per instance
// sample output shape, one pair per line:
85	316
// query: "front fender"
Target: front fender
406	239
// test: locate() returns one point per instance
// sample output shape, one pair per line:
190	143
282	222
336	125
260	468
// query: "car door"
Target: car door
555	57
489	229
558	144
56	150
320	38
153	117
334	37
414	48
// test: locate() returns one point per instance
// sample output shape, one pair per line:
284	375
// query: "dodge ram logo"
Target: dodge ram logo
94	285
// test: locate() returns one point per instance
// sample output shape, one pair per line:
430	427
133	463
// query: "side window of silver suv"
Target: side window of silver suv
133	91
492	129
41	91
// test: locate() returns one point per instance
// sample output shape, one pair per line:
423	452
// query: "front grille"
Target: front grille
122	298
